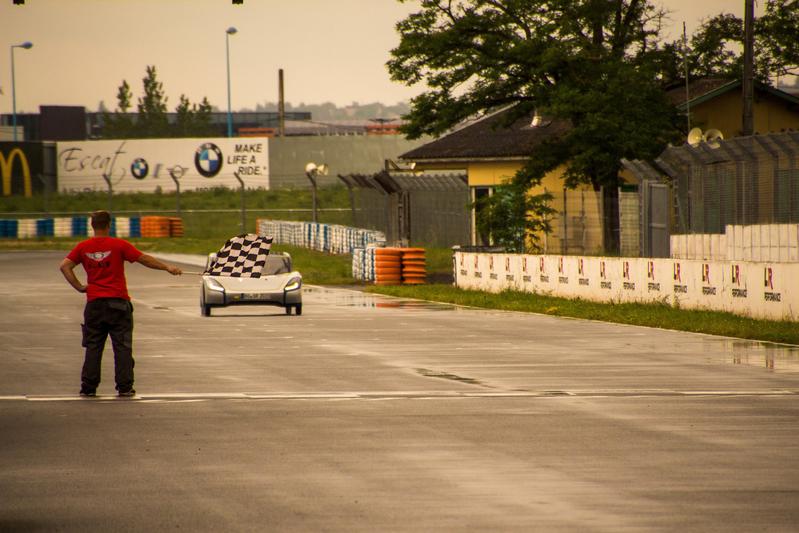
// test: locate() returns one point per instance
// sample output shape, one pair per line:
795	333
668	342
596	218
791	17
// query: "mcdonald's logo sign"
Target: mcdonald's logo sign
7	165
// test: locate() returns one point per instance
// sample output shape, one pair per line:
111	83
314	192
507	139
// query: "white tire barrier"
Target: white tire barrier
329	238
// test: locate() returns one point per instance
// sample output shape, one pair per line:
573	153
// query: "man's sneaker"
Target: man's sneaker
88	393
127	393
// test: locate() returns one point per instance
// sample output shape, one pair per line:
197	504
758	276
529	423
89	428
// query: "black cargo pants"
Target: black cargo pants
102	317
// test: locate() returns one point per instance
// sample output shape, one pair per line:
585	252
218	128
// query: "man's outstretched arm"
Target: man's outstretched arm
151	262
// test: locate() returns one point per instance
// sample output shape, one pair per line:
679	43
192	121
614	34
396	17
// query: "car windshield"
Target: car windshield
277	264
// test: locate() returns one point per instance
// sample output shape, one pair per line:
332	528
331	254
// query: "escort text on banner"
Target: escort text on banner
143	165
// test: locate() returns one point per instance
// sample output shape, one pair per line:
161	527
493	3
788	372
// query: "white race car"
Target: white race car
278	285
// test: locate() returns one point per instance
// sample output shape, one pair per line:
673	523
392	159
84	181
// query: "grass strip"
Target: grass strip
639	314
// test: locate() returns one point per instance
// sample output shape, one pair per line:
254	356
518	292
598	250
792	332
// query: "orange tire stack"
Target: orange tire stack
175	227
154	226
388	266
413	266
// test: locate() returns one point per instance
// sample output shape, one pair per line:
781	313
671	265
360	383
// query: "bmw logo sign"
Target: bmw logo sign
208	160
139	168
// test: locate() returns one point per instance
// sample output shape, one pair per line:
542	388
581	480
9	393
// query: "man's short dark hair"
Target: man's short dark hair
101	219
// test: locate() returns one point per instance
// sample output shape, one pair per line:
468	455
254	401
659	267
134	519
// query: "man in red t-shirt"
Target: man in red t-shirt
108	308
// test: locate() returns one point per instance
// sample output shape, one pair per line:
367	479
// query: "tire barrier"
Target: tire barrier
31	228
389	266
413	266
754	289
329	238
160	227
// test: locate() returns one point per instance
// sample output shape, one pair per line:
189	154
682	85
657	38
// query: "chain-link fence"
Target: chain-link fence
431	210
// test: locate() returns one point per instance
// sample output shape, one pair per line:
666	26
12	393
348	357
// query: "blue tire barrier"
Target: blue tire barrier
29	228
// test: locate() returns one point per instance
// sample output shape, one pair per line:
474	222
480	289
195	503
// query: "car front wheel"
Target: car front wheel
298	309
205	309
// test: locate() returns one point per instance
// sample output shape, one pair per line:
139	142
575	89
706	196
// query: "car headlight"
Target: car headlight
214	285
293	284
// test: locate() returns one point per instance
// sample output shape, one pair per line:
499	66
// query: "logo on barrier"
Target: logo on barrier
7	165
541	265
461	259
625	272
560	265
736	280
507	264
768	283
490	262
677	275
602	270
580	269
650	270
524	264
705	273
208	160
139	168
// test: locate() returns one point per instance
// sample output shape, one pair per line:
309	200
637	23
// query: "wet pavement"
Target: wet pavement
372	413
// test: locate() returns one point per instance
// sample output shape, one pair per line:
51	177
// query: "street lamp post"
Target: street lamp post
27	45
230	31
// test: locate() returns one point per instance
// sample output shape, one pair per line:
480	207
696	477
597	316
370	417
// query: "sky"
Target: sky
330	50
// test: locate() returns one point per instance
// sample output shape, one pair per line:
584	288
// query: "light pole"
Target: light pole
230	31
27	45
312	170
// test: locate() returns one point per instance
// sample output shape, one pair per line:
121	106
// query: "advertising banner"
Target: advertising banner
142	165
20	168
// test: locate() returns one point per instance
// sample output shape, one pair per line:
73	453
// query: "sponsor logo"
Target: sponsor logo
509	277
478	274
629	286
580	267
681	289
653	287
541	265
605	285
7	165
709	291
527	278
677	275
476	260
524	264
563	279
139	168
560	265
602	270
493	276
768	283
490	262
583	281
625	272
507	264
208	160
464	272
772	296
739	293
706	273
650	270
544	279
736	274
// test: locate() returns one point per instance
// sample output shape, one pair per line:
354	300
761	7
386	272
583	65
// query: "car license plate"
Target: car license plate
255	296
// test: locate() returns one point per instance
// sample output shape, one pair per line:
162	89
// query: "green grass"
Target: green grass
652	315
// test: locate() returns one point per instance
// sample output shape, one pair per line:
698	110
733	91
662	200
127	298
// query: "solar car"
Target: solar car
278	285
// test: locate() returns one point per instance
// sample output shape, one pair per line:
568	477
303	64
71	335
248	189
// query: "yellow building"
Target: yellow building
491	151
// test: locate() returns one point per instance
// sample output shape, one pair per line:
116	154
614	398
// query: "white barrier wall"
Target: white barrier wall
757	289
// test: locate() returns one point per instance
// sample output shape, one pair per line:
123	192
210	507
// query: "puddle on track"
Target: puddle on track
352	298
761	354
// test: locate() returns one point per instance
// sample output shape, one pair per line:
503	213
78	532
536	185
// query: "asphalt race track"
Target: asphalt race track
373	414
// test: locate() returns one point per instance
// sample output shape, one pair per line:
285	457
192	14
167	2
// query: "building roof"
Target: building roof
705	89
488	138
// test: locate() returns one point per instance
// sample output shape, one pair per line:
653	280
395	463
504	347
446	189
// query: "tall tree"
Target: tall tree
152	119
716	47
594	63
119	125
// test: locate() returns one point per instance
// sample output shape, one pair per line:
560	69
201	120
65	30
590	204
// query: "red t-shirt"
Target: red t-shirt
103	259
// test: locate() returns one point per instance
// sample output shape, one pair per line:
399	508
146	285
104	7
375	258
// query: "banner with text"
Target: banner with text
142	165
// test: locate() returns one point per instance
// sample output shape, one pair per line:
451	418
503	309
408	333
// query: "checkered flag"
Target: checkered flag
241	257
